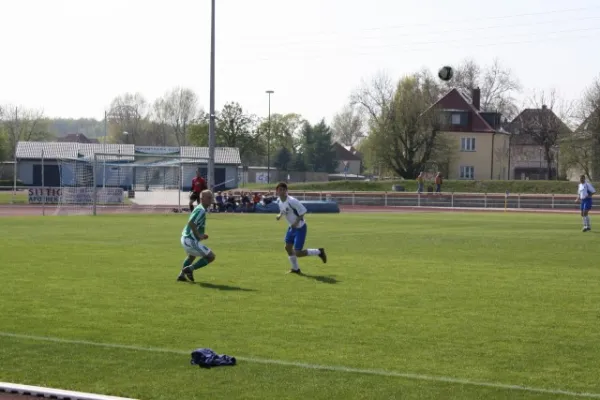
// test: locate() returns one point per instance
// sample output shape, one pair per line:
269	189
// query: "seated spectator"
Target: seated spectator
255	200
268	198
246	203
219	203
230	203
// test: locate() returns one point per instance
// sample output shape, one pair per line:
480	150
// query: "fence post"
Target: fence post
43	187
180	183
452	200
303	196
519	200
352	199
320	196
552	200
485	200
95	190
418	199
14	177
385	199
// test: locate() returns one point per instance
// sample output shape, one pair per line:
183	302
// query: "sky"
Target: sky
70	58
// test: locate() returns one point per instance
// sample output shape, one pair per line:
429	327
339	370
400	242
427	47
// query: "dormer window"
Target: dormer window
455	119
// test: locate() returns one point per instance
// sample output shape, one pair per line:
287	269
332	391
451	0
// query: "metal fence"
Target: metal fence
444	200
22	194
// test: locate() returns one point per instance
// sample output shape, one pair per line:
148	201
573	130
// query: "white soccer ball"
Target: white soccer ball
446	73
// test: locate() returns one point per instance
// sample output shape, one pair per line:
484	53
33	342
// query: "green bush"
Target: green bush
6	184
490	186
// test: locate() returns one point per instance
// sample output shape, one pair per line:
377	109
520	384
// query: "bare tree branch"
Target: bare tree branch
541	123
348	126
128	113
498	85
23	124
402	135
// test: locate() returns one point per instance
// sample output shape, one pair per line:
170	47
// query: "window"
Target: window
467	172
467	144
455	119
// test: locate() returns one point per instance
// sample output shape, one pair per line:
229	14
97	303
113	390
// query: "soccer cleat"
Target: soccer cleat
323	255
295	271
585	229
181	278
188	273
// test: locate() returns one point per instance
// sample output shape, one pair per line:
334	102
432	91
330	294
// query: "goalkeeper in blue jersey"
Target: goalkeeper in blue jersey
191	237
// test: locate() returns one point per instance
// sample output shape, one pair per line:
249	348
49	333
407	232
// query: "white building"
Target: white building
128	166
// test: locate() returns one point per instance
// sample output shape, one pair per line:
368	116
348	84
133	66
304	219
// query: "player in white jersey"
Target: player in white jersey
294	212
585	191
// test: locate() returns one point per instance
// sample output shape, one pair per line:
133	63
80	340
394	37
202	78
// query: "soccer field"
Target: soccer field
409	306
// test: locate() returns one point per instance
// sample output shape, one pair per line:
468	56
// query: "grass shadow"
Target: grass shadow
331	280
223	287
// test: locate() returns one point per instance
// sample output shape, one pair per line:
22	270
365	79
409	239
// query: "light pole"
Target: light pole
211	126
269	92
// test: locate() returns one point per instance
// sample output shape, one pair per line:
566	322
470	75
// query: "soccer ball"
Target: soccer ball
445	73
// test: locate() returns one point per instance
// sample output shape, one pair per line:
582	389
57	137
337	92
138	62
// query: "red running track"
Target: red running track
6	396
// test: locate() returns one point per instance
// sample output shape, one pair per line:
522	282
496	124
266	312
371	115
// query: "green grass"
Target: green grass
19	197
501	298
489	186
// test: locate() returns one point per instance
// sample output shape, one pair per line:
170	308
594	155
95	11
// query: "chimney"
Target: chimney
476	98
544	107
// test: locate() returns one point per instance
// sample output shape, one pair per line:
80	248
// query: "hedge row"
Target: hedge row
7	184
490	186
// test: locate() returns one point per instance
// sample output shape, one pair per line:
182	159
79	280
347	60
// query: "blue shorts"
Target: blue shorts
586	204
296	237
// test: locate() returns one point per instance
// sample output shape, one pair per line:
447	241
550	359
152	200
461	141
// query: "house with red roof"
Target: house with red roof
478	144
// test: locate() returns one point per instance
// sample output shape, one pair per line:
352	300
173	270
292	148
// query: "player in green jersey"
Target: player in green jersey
191	237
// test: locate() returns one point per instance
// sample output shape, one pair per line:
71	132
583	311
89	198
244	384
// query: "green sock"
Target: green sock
186	263
199	264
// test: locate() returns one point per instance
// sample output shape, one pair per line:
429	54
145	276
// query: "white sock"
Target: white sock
294	262
584	221
313	252
587	221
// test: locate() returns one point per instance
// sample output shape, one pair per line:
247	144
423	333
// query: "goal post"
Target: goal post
109	183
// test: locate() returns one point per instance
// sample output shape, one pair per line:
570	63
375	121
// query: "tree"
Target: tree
198	131
581	150
541	123
22	124
578	153
285	132
4	147
160	121
404	130
127	117
316	147
283	159
348	126
177	109
372	161
235	128
498	86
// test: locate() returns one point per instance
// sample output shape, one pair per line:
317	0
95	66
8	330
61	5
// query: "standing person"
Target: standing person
198	185
295	237
420	182
585	191
438	182
191	239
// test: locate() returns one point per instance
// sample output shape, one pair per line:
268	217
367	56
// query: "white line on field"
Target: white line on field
315	366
